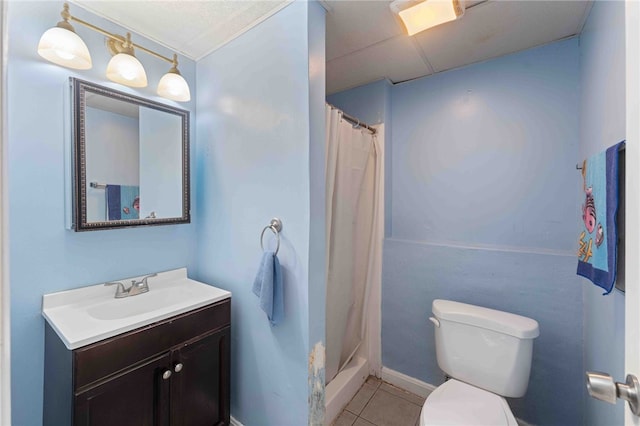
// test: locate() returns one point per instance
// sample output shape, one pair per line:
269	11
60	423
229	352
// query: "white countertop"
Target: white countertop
89	314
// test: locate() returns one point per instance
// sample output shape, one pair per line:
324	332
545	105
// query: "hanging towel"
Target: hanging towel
597	242
123	202
268	287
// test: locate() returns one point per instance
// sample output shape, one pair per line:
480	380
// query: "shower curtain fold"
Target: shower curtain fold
352	194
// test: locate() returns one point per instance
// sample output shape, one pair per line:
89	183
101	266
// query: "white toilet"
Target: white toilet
487	354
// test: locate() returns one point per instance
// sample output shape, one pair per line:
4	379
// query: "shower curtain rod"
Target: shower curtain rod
355	121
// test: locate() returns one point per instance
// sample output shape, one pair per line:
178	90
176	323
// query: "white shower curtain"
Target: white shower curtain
353	164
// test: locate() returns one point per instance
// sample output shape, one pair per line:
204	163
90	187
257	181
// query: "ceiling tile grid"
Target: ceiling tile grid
396	59
488	29
499	28
354	25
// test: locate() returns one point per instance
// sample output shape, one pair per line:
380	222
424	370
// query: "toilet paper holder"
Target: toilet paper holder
601	386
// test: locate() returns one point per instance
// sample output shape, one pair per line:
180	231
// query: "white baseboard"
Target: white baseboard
407	383
235	422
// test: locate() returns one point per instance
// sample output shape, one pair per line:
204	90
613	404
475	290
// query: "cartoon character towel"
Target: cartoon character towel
597	244
123	202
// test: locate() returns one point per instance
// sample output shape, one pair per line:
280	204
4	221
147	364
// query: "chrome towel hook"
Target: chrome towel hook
276	227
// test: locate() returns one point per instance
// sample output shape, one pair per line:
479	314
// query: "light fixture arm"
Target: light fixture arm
151	52
91	26
118	39
174	66
65	19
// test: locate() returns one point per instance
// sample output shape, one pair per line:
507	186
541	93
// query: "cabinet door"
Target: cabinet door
136	397
200	389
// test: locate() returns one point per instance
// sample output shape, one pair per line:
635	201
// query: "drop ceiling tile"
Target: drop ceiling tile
396	59
355	24
497	28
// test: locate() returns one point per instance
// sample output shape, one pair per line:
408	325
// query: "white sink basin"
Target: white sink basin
89	314
159	298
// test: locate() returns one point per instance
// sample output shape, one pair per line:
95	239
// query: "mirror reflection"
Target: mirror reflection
132	160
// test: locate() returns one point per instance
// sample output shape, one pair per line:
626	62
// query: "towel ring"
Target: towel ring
275	226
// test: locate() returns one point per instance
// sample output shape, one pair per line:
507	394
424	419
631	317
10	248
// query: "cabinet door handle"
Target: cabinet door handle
166	374
178	367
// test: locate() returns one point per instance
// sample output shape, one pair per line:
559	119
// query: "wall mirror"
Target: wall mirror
130	160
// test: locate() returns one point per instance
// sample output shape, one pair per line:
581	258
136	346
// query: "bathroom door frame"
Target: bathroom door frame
5	366
632	257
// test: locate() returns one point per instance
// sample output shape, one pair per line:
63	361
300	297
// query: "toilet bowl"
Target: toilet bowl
456	403
487	353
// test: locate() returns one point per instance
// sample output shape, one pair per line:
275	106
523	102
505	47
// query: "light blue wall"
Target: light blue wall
483	211
160	166
478	153
114	141
254	163
44	256
368	102
602	124
317	237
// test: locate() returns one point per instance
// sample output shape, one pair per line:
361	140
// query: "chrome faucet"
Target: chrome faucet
137	287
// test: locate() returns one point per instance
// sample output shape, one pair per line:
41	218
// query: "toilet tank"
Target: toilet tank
484	347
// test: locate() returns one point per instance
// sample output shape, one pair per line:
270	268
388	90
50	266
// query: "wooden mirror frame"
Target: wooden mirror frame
79	88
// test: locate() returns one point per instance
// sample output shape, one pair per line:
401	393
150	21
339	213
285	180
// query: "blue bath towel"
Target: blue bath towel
268	287
123	202
598	240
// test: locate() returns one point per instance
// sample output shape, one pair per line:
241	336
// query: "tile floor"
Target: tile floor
378	403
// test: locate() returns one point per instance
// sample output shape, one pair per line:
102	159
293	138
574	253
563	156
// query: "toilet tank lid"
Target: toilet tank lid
491	319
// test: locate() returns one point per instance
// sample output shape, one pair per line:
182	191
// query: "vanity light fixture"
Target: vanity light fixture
124	67
62	46
172	85
419	15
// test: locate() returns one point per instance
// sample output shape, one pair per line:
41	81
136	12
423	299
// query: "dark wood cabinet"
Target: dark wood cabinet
171	373
201	363
138	396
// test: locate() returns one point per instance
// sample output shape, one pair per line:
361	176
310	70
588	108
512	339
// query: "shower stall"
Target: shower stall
354	226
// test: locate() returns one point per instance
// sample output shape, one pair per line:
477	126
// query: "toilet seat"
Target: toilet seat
455	403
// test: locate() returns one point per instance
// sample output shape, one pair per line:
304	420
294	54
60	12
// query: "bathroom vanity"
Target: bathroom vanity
157	365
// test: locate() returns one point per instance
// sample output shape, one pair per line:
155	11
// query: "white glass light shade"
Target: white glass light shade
173	86
126	69
64	47
419	16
